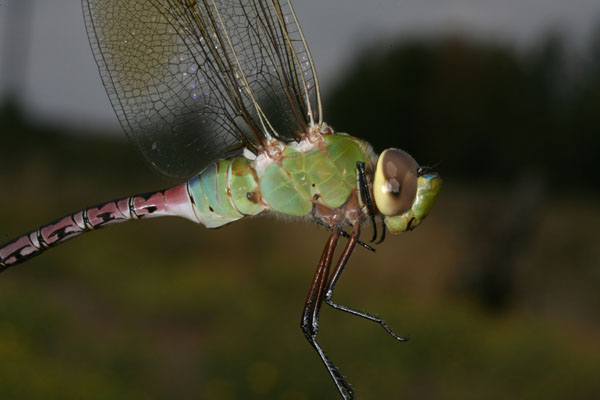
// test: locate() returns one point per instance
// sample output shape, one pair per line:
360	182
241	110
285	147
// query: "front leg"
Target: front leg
365	196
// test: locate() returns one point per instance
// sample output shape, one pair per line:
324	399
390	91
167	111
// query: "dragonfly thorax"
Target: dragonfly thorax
315	177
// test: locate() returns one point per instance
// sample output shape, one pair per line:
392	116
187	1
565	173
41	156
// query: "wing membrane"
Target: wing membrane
191	79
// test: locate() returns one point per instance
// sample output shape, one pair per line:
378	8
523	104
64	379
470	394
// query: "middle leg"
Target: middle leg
337	272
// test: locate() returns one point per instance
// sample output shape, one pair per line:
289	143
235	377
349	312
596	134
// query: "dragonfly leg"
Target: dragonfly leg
382	230
365	195
344	234
337	272
312	308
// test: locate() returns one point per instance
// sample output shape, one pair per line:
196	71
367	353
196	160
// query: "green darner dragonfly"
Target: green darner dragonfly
224	96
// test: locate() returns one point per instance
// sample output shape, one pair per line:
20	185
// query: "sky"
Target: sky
58	81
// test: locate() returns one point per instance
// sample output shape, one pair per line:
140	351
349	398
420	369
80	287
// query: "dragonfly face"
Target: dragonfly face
401	192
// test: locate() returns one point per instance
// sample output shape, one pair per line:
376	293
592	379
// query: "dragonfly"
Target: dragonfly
223	96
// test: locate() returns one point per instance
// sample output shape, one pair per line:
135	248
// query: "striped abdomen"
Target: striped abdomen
224	192
173	201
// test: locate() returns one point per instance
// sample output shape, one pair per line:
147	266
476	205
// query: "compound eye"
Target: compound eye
395	184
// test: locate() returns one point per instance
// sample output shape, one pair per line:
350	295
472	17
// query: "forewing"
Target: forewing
191	79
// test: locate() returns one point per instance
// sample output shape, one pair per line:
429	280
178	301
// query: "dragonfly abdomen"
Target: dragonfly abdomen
172	201
225	191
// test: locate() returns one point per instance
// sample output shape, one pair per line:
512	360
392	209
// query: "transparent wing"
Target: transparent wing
192	79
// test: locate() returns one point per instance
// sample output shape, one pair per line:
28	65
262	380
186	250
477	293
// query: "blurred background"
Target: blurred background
498	289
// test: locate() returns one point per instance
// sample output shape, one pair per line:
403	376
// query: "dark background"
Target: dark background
498	289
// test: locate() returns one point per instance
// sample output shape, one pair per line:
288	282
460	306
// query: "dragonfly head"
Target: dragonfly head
403	193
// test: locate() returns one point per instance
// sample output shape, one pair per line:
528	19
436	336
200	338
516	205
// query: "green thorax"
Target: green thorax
325	175
301	176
